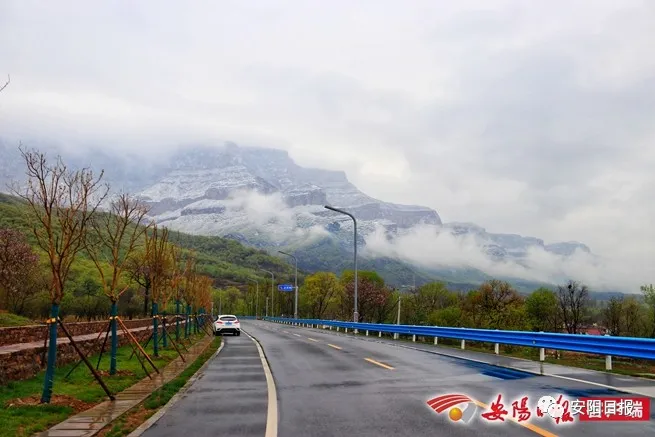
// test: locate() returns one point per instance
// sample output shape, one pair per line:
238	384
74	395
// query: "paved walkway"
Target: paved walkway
90	422
61	339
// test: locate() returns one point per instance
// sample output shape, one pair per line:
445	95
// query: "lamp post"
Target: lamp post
272	289
355	312
295	304
257	296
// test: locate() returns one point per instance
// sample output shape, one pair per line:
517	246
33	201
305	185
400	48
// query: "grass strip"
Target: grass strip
131	420
21	414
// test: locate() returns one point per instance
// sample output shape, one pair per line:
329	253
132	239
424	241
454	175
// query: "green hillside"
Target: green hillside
227	261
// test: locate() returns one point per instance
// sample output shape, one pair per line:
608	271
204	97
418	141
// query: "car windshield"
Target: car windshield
228	318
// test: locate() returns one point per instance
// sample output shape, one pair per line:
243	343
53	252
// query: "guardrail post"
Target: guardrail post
542	353
367	332
463	344
497	348
395	336
337	329
608	359
436	340
380	334
346	330
414	337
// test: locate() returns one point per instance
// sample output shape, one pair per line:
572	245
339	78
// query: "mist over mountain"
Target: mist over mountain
261	197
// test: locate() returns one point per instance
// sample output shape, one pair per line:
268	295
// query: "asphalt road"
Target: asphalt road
335	385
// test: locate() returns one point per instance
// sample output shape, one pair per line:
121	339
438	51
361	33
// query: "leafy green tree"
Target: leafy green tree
495	305
635	318
419	305
649	298
542	310
321	291
613	316
448	316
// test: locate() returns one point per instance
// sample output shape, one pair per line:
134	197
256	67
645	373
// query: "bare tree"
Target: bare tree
6	84
138	267
157	253
114	237
62	203
573	299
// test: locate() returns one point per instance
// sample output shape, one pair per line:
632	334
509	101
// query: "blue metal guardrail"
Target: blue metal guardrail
630	347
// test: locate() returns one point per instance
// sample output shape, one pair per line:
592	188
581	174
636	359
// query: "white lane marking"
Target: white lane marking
272	415
297	335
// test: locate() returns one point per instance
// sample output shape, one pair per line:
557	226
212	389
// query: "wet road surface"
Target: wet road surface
335	385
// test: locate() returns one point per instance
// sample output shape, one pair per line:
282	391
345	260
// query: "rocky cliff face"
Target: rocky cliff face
209	190
201	175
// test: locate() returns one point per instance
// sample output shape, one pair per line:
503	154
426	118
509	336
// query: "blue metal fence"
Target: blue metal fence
630	347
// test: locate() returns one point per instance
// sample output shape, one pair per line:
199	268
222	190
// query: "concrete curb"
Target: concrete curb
155	417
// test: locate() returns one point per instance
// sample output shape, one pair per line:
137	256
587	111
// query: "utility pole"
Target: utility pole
272	291
295	303
395	335
256	297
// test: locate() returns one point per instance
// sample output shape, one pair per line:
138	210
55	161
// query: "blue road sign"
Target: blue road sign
285	287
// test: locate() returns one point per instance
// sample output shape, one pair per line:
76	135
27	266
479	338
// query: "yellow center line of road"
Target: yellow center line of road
370	360
336	347
312	339
534	428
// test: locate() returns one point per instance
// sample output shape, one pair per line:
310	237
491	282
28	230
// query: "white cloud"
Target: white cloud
526	117
428	247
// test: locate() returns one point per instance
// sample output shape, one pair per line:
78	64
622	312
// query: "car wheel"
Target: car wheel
238	334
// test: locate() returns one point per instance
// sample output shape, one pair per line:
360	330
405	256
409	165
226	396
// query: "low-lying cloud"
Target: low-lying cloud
426	247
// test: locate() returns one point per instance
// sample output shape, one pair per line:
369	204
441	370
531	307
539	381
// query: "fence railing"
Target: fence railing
630	347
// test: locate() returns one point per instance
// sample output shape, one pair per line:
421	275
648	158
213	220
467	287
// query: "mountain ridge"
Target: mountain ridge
261	197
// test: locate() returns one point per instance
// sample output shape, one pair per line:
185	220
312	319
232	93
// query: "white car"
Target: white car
227	323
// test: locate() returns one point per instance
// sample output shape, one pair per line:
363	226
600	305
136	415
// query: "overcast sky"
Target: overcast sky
530	117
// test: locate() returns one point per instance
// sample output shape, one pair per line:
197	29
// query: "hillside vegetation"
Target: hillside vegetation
227	262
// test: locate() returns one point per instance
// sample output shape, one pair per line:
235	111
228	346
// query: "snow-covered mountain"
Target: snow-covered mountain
261	197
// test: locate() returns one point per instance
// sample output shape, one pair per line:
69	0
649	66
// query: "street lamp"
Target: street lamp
295	304
331	208
272	289
257	297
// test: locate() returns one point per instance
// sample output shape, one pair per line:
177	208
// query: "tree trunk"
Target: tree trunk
52	355
114	338
155	326
177	320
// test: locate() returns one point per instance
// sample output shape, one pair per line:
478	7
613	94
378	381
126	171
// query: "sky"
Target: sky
523	117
